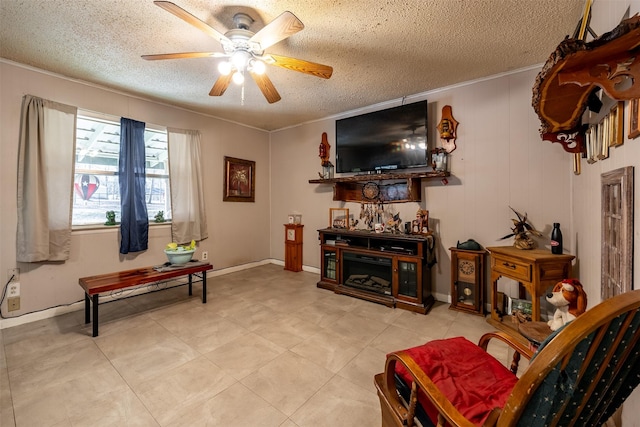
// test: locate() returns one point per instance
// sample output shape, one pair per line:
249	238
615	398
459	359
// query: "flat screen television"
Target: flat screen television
385	140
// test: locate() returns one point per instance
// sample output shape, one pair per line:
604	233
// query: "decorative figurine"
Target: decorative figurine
324	149
111	218
394	222
159	217
522	232
570	301
420	225
324	153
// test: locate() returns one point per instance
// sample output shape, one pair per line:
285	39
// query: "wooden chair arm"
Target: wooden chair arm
520	346
444	407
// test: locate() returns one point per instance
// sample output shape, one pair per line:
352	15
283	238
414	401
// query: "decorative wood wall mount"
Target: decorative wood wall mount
447	129
572	72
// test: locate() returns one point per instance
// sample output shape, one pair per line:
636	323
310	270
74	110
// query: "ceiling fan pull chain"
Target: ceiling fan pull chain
242	95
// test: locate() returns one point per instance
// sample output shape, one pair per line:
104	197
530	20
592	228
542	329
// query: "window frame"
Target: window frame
115	121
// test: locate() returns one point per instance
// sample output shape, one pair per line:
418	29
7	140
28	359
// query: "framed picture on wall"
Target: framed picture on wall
239	180
616	122
634	118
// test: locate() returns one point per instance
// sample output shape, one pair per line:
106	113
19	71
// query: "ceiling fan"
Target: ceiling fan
245	50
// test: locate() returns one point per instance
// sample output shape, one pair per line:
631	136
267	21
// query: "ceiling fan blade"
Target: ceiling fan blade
285	25
221	85
300	65
180	55
268	89
190	19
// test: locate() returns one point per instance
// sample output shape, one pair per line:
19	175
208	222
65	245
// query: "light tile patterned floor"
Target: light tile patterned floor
268	349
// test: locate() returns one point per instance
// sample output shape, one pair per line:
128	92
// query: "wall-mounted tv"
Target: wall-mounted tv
394	138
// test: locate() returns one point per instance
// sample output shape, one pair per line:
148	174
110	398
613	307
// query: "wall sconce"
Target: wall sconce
447	129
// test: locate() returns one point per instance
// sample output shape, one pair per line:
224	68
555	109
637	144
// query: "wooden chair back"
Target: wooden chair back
582	375
579	377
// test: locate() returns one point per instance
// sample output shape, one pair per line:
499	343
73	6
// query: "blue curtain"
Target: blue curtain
134	226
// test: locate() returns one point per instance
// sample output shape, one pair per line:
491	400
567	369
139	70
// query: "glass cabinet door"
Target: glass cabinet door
329	264
408	278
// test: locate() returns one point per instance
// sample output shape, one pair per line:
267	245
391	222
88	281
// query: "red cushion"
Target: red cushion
472	380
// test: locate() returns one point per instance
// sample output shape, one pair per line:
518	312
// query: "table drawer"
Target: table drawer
513	269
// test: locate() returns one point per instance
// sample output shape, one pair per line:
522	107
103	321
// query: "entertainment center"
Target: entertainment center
386	268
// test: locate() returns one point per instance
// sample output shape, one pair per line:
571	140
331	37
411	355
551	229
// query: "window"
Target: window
96	187
617	232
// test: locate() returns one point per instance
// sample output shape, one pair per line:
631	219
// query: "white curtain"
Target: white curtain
188	219
45	180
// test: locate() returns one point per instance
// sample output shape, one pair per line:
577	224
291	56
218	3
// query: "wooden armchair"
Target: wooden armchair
578	377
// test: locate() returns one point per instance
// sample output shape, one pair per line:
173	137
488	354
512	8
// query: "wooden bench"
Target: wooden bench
95	285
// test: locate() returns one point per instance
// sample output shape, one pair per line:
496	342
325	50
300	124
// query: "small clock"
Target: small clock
291	234
467	280
466	268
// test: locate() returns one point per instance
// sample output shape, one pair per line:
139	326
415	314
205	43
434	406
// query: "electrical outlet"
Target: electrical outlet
14	290
13	275
13	304
205	255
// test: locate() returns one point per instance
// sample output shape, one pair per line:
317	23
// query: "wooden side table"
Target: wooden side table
536	270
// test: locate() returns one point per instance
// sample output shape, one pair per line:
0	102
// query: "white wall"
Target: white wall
237	231
500	161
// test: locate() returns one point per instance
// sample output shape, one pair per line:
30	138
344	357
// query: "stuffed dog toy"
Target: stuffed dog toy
570	301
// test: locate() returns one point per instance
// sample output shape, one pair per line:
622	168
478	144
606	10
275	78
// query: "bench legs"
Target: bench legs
88	301
87	309
95	315
204	287
93	300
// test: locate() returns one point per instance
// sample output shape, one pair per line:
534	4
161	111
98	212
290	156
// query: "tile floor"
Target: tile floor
268	349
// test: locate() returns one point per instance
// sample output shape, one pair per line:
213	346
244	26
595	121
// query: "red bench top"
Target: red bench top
138	276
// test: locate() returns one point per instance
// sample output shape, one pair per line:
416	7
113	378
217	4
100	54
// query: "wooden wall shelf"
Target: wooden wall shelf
384	187
575	69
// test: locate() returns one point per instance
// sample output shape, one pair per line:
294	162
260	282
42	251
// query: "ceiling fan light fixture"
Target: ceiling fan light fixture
240	59
244	51
224	68
238	78
257	66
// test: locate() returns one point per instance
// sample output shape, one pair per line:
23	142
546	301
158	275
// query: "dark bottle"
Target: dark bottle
556	239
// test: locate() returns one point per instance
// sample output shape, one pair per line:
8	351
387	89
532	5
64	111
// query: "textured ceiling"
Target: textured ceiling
380	50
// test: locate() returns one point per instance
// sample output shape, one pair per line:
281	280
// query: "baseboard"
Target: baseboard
58	311
304	267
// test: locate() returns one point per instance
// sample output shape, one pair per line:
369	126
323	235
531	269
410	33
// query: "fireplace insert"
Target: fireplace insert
366	272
